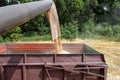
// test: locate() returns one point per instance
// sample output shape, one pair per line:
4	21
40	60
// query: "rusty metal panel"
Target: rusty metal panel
69	58
31	46
93	58
34	72
12	72
32	58
11	58
39	48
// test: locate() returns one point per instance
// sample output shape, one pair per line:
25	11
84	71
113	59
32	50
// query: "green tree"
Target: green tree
3	2
12	35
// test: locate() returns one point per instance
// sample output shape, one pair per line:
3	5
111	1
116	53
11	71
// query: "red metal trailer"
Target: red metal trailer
20	61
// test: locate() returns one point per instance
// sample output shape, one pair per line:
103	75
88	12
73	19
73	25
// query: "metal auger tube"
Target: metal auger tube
15	15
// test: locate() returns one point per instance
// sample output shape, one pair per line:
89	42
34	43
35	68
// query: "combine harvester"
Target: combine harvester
45	61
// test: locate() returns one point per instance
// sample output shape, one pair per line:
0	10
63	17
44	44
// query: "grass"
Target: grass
36	38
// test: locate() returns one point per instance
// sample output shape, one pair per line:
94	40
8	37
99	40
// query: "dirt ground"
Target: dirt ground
111	51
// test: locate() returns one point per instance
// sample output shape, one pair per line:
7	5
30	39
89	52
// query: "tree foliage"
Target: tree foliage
86	17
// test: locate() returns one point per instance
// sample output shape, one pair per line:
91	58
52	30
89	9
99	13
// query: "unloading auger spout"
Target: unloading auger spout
15	15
